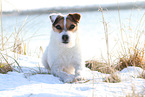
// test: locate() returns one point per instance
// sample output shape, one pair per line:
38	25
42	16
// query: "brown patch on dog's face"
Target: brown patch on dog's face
71	21
71	26
58	24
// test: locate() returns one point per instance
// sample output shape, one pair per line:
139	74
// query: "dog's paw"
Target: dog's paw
69	79
79	78
83	75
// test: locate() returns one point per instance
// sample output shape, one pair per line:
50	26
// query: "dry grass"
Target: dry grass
133	56
113	78
4	68
100	67
134	93
18	47
6	40
11	42
134	59
104	68
142	75
133	51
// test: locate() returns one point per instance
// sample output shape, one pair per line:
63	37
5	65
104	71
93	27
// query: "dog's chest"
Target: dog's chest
67	56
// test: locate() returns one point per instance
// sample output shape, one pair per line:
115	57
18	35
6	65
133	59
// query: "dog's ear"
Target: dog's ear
53	17
75	17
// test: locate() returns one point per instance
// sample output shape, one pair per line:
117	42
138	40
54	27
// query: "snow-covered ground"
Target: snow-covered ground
30	83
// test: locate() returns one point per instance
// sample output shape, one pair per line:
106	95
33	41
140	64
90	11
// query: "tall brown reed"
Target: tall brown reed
106	36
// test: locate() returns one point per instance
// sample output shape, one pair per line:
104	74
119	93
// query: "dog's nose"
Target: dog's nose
65	38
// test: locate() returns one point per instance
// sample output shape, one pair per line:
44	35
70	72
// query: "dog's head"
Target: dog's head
65	28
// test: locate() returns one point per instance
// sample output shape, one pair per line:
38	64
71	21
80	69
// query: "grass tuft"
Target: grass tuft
18	47
100	67
113	78
4	68
142	75
134	59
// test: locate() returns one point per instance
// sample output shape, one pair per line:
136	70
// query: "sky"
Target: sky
18	5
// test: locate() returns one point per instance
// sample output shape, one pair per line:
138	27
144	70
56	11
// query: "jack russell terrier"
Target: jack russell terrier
63	57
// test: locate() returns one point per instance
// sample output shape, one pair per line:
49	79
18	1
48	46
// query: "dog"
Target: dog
63	57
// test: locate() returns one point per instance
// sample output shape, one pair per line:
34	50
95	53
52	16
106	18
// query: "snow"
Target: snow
35	82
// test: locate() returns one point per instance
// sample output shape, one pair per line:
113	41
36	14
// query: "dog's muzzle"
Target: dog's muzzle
65	39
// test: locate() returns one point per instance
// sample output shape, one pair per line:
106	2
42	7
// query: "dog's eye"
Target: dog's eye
58	27
71	27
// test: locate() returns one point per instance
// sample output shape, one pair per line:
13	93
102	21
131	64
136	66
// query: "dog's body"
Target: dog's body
63	56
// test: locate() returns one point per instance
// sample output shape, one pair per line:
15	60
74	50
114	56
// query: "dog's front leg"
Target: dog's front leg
79	72
65	77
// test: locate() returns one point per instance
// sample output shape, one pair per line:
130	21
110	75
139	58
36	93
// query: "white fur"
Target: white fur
53	16
64	60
